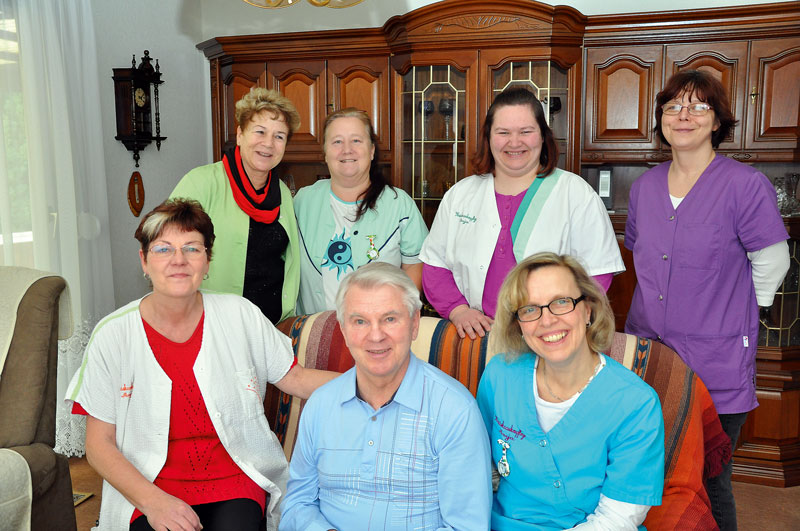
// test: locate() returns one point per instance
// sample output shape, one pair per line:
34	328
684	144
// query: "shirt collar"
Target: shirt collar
409	394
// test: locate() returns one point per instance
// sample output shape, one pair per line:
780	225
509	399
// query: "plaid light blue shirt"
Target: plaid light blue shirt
420	462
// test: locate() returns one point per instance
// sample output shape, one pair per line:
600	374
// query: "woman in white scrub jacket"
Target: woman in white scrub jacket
173	385
518	204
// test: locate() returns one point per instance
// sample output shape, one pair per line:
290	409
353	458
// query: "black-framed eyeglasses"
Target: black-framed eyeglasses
560	306
695	109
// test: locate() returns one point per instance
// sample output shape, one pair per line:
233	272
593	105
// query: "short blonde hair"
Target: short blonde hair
259	100
514	294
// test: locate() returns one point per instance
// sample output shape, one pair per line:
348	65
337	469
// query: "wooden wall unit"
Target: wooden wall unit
752	50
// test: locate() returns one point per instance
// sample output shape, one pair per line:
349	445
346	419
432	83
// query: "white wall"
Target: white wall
235	17
169	29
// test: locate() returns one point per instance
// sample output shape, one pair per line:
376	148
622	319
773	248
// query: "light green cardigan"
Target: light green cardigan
209	185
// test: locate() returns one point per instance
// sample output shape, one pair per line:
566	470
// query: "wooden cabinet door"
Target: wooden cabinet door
621	86
237	80
773	103
363	83
303	82
726	61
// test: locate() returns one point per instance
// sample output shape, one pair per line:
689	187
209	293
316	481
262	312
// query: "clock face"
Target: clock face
140	97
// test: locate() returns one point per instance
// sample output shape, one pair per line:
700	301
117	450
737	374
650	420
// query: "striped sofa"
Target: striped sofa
695	445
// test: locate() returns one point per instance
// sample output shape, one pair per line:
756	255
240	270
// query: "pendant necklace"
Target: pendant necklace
547	385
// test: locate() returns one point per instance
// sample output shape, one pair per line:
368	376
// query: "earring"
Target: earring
146	276
205	277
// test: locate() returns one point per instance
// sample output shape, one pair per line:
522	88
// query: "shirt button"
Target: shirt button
672	217
557	483
373	419
664	257
543	443
661	297
370	443
217	415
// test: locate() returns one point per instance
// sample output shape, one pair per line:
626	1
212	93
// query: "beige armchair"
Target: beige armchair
28	399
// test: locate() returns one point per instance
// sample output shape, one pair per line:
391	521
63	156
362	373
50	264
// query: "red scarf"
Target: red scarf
263	207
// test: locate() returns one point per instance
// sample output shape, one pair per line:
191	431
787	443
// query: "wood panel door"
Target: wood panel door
621	85
773	121
363	83
237	80
303	82
727	62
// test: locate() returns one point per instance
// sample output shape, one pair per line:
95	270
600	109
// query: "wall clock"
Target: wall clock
136	103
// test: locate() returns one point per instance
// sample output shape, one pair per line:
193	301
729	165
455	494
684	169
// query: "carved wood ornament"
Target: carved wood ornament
136	193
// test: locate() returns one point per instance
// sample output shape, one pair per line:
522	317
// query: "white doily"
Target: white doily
70	429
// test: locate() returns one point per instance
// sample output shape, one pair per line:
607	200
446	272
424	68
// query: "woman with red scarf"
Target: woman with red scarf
257	242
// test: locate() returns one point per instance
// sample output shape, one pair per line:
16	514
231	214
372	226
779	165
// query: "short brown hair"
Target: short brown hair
483	161
259	100
514	294
704	87
186	214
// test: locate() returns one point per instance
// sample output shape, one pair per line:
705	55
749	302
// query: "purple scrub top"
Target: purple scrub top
695	287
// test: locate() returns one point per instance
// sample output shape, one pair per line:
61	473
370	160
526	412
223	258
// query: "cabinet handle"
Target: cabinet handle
741	156
753	95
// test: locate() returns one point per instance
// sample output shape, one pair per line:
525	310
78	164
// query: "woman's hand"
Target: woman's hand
166	512
469	321
162	510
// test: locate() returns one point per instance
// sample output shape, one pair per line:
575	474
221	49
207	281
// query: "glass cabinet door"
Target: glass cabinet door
433	100
550	83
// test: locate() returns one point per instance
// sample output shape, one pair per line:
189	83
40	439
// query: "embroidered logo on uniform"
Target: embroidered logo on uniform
339	255
126	390
465	218
509	433
252	385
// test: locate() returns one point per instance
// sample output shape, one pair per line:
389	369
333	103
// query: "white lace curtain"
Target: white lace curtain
53	201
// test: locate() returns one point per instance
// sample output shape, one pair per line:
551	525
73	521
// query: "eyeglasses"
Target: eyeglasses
695	109
533	312
163	251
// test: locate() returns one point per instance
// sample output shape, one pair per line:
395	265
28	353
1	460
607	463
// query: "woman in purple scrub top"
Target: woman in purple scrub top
709	248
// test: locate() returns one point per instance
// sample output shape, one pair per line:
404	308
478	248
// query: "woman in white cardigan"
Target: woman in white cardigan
173	385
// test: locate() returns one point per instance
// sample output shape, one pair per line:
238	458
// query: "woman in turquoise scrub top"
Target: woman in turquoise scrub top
577	439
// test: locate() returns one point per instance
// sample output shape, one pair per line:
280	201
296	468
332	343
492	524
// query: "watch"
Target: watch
140	97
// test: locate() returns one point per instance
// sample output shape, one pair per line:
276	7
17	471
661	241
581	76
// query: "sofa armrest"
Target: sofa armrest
41	461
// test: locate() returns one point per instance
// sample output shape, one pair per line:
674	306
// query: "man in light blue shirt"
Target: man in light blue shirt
393	443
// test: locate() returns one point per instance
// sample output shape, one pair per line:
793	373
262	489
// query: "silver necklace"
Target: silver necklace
547	385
